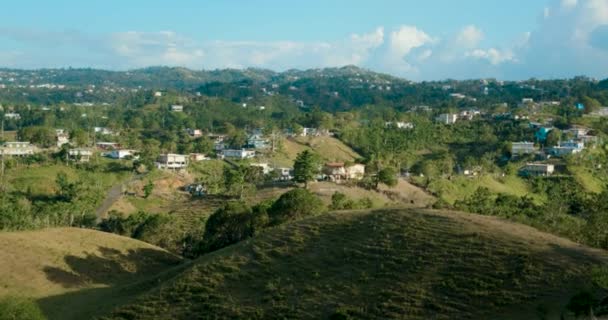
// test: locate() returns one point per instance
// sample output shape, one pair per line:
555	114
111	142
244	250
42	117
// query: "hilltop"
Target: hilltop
415	264
75	273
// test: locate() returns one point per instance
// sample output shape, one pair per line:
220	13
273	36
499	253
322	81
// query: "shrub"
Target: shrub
295	204
12	308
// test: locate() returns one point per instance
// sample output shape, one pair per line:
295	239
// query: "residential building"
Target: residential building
521	148
266	169
257	141
158	94
334	171
12	115
122	154
567	148
18	148
537	169
62	138
399	125
195	133
104	131
355	171
172	161
578	131
238	153
177	108
447	118
285	174
468	114
107	145
197	157
80	155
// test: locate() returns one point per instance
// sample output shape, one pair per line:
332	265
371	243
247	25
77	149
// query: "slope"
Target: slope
74	272
414	264
329	148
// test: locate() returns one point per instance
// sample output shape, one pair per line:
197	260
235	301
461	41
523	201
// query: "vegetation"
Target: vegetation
306	167
399	263
72	273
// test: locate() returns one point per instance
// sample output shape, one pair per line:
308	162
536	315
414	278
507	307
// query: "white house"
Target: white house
447	118
567	148
177	108
172	161
62	138
104	131
335	171
121	154
238	153
80	155
519	148
158	94
12	115
399	125
355	171
285	174
195	133
17	148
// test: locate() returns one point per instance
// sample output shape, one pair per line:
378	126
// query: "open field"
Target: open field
329	148
383	264
460	187
76	273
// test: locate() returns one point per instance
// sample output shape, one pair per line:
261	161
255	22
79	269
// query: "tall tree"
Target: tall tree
306	167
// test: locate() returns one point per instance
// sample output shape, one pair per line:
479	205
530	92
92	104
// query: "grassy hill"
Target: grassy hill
414	264
76	273
329	148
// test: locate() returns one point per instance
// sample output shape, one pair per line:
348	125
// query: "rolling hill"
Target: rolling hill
382	264
77	273
329	148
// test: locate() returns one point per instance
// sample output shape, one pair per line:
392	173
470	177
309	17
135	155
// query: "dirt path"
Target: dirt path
111	197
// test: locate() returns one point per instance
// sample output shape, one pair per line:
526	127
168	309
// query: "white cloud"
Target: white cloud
571	38
469	37
569	4
493	55
405	39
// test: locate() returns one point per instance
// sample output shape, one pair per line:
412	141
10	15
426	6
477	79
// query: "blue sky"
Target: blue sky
418	40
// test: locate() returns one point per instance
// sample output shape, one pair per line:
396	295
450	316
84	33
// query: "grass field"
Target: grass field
40	180
76	273
329	148
384	264
460	187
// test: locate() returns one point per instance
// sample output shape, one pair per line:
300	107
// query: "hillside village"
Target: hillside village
206	166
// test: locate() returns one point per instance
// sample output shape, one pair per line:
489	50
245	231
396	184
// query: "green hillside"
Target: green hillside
414	264
77	273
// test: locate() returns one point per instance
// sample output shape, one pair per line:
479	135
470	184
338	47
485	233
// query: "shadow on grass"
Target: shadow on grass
107	279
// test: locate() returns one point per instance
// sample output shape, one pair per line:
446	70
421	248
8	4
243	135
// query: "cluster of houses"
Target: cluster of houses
451	118
580	139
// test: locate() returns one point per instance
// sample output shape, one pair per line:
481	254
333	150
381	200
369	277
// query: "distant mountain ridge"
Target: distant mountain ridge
178	77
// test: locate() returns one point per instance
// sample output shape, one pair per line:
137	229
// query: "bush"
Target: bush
227	225
295	204
13	308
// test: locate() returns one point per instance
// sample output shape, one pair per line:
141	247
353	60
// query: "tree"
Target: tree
295	204
387	176
553	138
148	189
236	183
79	137
306	167
66	190
227	225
